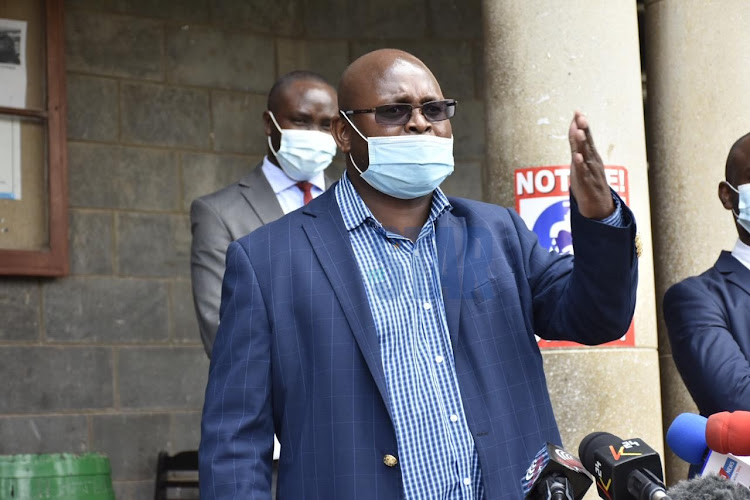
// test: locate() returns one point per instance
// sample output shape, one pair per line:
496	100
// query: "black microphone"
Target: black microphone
710	487
623	469
555	474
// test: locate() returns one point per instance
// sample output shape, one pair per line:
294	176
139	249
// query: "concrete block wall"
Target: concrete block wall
164	105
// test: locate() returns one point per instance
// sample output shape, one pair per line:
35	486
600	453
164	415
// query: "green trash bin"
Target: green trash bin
59	476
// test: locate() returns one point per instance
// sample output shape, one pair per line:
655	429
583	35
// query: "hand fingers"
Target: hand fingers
578	159
585	140
577	137
588	136
582	124
579	142
572	136
590	145
581	120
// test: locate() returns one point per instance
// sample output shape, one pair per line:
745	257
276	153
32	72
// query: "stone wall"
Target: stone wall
164	105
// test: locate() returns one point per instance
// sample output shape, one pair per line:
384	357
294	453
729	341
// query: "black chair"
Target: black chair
177	476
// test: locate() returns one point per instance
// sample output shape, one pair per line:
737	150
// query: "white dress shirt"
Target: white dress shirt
290	196
741	252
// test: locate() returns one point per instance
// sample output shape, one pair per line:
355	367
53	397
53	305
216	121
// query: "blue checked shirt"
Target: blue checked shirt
437	455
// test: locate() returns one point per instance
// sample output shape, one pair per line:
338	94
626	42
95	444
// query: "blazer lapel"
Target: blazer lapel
330	241
735	271
450	238
258	193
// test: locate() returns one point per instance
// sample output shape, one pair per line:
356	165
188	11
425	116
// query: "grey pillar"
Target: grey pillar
543	60
698	68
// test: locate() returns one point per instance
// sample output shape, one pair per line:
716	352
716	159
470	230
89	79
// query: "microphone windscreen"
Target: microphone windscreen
593	442
710	487
729	432
686	437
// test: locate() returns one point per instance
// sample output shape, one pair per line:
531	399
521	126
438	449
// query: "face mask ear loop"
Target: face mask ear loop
355	128
736	215
360	134
731	187
355	165
270	146
273	119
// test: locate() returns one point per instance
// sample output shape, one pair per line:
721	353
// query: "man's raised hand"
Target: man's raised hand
587	180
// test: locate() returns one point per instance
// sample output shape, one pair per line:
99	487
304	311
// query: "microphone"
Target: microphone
624	469
729	432
691	440
686	437
710	487
555	474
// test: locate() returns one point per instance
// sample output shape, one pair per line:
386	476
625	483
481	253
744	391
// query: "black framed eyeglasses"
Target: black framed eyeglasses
400	114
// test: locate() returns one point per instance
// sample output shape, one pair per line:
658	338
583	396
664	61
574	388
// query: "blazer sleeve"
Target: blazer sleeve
589	298
710	361
237	429
208	249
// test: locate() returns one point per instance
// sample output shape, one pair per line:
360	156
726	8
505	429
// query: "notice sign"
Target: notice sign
12	94
542	201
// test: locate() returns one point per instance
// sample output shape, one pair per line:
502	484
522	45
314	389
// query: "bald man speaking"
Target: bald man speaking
385	332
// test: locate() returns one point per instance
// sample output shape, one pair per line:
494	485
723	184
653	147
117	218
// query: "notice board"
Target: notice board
33	153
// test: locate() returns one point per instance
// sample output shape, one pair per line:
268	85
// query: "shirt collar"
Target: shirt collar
279	181
741	252
355	212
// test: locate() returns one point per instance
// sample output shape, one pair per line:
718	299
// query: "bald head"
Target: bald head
738	161
367	75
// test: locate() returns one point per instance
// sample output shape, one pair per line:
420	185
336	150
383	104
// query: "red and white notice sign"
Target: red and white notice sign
542	201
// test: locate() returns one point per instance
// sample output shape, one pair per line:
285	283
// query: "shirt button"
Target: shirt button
454	418
427	306
439	359
467	481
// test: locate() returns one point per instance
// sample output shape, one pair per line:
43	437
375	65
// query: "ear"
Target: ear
268	125
341	132
726	195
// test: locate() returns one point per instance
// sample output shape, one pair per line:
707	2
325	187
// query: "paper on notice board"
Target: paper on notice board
12	63
13	95
10	158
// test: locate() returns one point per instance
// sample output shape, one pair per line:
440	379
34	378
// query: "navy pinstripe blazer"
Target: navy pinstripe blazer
297	351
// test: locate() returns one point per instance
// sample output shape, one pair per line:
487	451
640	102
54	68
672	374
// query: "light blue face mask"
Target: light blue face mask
406	166
302	154
743	217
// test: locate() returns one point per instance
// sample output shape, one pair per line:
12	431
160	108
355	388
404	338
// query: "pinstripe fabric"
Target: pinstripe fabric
437	455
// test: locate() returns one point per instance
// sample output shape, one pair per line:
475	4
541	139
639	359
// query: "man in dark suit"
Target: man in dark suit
708	316
386	332
302	105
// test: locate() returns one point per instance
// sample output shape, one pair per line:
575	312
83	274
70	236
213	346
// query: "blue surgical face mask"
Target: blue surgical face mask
406	166
303	154
743	217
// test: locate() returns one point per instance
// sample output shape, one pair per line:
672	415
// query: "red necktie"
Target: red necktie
306	189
